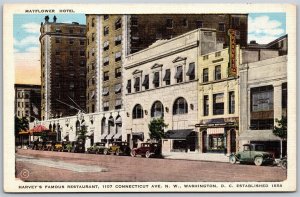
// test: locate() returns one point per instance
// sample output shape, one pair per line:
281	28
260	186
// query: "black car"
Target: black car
78	146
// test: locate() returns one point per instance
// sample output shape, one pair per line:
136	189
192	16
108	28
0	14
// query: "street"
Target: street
33	165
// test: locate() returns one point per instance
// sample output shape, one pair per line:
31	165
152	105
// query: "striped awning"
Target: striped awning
211	131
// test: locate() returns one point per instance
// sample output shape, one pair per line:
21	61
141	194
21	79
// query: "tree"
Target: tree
21	124
82	132
280	129
156	128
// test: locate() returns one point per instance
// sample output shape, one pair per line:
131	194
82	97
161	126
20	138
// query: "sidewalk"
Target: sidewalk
216	157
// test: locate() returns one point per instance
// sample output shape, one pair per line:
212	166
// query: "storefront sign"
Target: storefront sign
232	53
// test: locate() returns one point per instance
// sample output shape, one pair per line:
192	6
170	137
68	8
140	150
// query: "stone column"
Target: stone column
210	100
243	98
225	99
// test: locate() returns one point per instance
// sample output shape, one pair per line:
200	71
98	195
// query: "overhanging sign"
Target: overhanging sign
232	53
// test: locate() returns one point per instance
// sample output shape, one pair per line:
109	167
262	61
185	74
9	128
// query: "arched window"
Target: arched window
137	112
180	106
54	127
103	125
118	123
157	109
110	124
58	133
50	127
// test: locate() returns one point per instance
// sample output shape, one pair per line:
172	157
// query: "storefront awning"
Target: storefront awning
178	134
118	120
146	81
156	77
211	131
103	136
66	135
258	135
110	135
178	73
191	70
117	136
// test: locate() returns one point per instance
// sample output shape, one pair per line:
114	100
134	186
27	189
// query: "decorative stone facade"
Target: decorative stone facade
165	73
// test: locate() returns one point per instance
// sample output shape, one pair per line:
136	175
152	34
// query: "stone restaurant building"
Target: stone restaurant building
162	81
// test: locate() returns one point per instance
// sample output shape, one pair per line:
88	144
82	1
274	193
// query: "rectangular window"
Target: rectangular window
71	41
146	82
156	79
262	99
118	88
218	72
118	56
57	52
167	77
105	91
261	124
57	40
199	24
205	57
106	61
81	42
134	21
93	37
82	53
179	75
71	31
82	63
106	45
284	95
137	84
185	22
105	106
128	86
218	104
118	24
235	21
118	72
118	40
106	30
191	71
231	103
105	16
169	23
218	54
222	27
105	76
93	22
118	104
205	105
205	75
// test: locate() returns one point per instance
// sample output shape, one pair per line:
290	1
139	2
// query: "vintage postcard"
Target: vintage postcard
149	97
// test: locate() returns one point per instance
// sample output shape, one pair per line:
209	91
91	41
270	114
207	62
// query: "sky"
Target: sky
262	27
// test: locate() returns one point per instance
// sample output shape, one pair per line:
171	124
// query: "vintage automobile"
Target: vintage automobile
147	150
97	148
66	146
49	145
57	147
78	146
118	148
252	153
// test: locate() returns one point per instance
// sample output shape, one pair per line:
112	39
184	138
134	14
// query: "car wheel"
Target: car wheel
117	152
232	159
133	153
148	154
258	161
105	152
284	164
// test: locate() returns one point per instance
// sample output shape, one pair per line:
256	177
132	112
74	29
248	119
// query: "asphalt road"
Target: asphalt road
32	165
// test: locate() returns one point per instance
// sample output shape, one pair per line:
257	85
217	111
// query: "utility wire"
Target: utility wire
76	104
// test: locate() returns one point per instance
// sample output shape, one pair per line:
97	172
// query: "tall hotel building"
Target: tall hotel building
63	68
112	37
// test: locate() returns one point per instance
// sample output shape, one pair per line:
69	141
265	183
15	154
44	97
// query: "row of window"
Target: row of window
117	89
185	23
70	40
21	114
118	57
217	74
71	31
118	104
71	53
118	41
156	78
23	95
117	74
118	25
180	106
218	104
22	104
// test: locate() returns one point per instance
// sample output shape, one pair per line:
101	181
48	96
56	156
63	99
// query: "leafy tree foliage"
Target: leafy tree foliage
156	128
21	124
281	129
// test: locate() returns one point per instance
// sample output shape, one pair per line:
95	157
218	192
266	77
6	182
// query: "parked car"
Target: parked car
49	145
57	147
147	150
66	146
118	148
252	153
78	146
97	148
